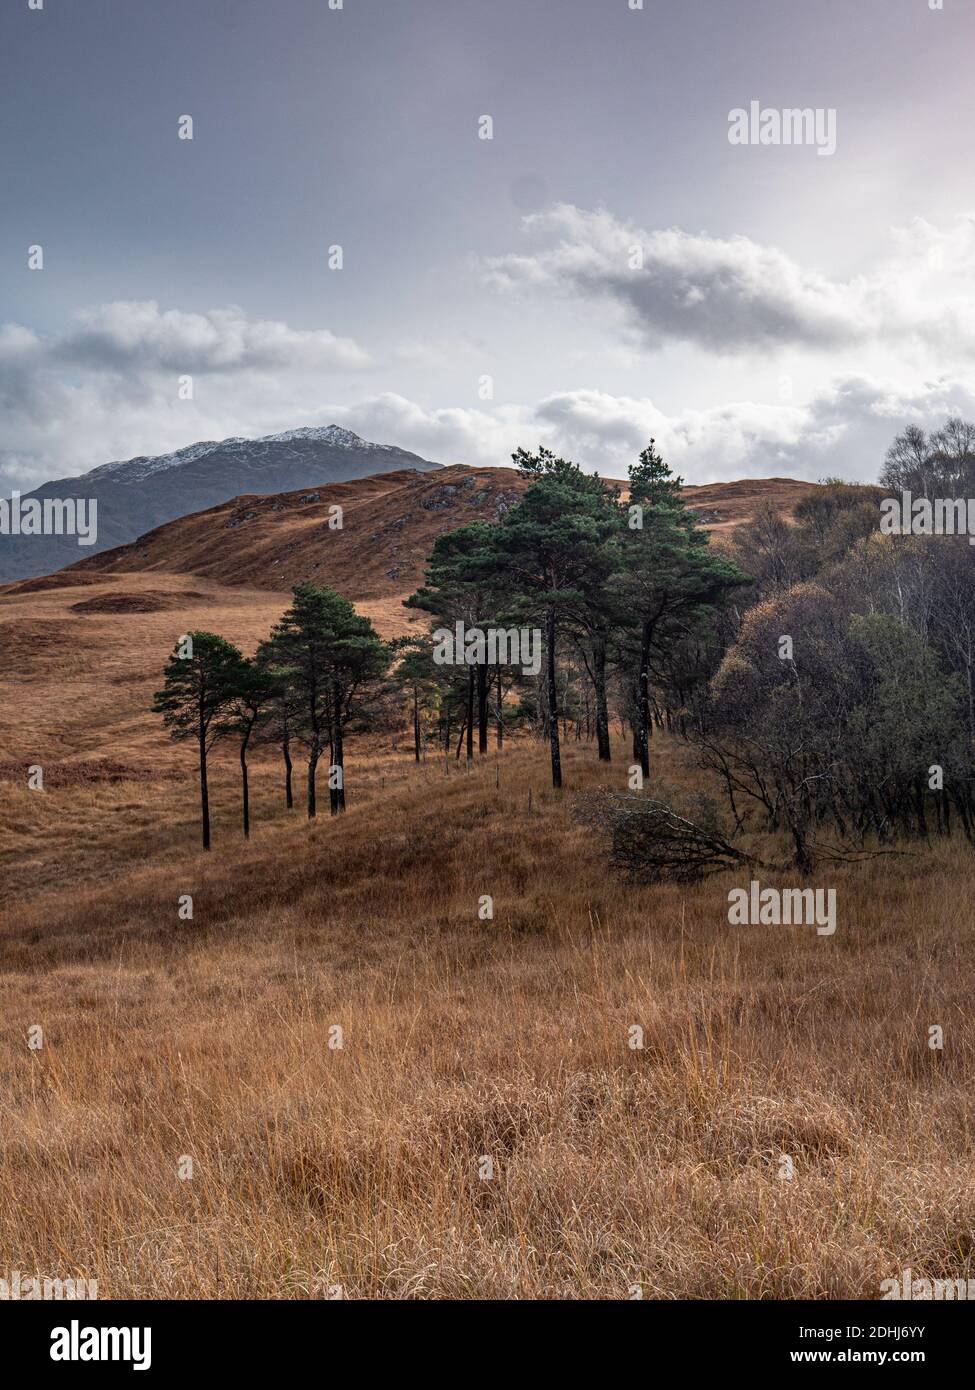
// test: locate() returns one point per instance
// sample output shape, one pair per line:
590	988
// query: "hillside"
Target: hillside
137	494
390	523
82	649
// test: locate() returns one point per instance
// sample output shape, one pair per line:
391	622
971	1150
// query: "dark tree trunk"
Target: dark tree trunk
289	799
553	704
470	714
922	823
500	710
337	794
416	725
204	789
245	790
313	757
803	859
602	706
482	708
315	749
643	700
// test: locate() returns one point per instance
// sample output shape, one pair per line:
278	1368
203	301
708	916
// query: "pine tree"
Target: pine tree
669	578
551	553
326	652
200	683
254	691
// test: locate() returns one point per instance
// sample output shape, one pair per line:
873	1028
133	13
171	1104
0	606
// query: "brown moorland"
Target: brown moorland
464	1040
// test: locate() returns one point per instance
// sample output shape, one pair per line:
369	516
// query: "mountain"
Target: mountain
138	494
389	524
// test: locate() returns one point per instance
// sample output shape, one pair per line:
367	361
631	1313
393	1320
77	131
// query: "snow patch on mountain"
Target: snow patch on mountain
335	436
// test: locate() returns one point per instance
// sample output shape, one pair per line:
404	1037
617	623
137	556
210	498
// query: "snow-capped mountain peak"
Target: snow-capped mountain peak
335	435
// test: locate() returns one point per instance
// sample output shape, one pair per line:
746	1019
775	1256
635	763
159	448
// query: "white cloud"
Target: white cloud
843	430
137	335
108	386
65	408
732	294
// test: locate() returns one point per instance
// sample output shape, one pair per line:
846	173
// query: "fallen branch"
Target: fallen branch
651	842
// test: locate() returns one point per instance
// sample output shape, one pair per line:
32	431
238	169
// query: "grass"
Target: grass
317	1167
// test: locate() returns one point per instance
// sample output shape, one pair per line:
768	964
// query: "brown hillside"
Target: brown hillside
83	648
722	506
390	523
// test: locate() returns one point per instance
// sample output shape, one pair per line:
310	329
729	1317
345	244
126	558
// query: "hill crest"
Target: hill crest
389	524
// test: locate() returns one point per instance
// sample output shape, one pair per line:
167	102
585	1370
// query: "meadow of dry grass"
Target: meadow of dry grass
358	1167
316	1167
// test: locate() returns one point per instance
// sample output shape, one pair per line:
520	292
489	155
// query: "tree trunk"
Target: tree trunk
553	704
245	791
643	700
416	724
288	794
470	715
313	757
204	789
602	706
482	708
337	794
500	735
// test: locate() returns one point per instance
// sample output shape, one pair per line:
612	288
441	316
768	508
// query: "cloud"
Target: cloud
137	336
843	430
732	294
447	434
106	389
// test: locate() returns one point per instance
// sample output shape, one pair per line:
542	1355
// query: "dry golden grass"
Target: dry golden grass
316	1167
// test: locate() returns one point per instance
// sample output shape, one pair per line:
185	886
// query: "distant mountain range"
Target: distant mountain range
136	495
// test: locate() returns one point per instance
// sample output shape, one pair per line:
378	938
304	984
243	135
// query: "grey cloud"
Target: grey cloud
138	335
733	294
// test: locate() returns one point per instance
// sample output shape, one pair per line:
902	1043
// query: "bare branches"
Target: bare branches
653	842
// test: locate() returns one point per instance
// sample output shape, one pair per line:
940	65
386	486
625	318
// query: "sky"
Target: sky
605	267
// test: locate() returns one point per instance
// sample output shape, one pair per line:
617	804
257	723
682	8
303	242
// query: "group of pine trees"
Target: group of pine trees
823	672
301	686
616	587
